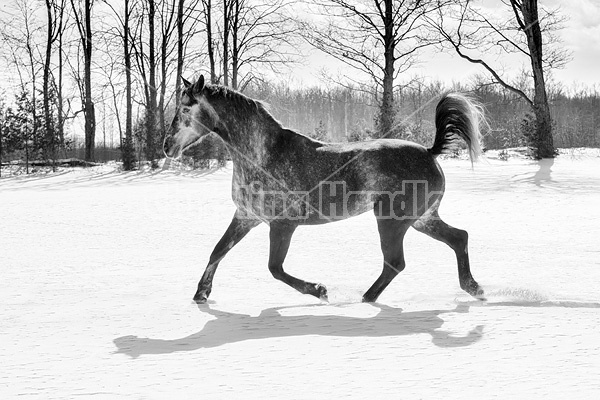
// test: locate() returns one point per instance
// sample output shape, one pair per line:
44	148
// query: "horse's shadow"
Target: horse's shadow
231	328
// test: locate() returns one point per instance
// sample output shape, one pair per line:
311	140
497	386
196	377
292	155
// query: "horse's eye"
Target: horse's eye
186	99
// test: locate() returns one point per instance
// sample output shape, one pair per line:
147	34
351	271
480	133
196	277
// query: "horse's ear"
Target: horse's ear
186	83
199	85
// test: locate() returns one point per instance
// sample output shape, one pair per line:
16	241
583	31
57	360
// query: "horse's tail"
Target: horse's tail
457	116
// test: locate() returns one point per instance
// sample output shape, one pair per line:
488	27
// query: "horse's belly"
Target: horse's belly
269	205
321	205
407	199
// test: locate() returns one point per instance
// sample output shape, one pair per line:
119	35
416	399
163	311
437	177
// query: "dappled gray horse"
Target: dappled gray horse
286	179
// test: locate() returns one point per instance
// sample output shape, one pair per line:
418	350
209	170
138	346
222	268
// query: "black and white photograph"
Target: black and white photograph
299	199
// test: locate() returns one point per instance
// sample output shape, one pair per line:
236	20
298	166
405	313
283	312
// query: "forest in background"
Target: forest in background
100	81
347	114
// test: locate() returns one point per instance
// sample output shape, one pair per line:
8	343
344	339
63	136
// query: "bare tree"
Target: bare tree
187	22
152	104
23	39
207	6
63	108
55	10
263	35
124	34
180	22
127	59
228	11
83	15
168	25
146	64
127	148
252	36
153	44
377	37
522	29
159	45
31	49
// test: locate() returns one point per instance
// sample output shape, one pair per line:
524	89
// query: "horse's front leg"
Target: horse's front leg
280	236
238	228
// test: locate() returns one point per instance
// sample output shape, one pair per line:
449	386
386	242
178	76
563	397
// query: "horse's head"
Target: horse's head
194	119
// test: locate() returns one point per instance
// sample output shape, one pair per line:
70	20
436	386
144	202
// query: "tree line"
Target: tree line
99	60
350	114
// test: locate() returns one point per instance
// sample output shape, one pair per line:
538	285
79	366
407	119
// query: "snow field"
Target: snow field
99	267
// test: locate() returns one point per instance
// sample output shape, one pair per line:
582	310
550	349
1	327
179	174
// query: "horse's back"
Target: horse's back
304	161
385	163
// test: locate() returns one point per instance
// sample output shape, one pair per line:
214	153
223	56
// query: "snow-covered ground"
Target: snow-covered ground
98	268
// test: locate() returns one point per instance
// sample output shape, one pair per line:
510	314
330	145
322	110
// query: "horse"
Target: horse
286	180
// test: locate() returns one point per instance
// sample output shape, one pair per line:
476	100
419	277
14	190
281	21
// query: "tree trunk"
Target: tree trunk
209	40
46	85
152	106
386	111
33	110
179	53
27	151
127	149
234	44
60	125
163	83
127	54
541	109
90	114
226	26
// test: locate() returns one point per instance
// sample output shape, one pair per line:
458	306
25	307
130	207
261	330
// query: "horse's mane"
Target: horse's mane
244	105
242	102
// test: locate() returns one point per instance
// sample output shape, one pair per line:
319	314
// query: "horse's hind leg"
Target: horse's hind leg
238	228
432	225
391	233
280	236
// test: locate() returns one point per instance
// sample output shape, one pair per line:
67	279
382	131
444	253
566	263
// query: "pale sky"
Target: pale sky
582	36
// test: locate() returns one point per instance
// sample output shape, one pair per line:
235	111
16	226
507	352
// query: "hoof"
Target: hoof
321	292
480	295
201	298
474	290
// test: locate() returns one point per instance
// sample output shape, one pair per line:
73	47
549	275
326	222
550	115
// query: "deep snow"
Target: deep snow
99	268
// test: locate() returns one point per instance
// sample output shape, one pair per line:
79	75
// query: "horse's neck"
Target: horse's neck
248	137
